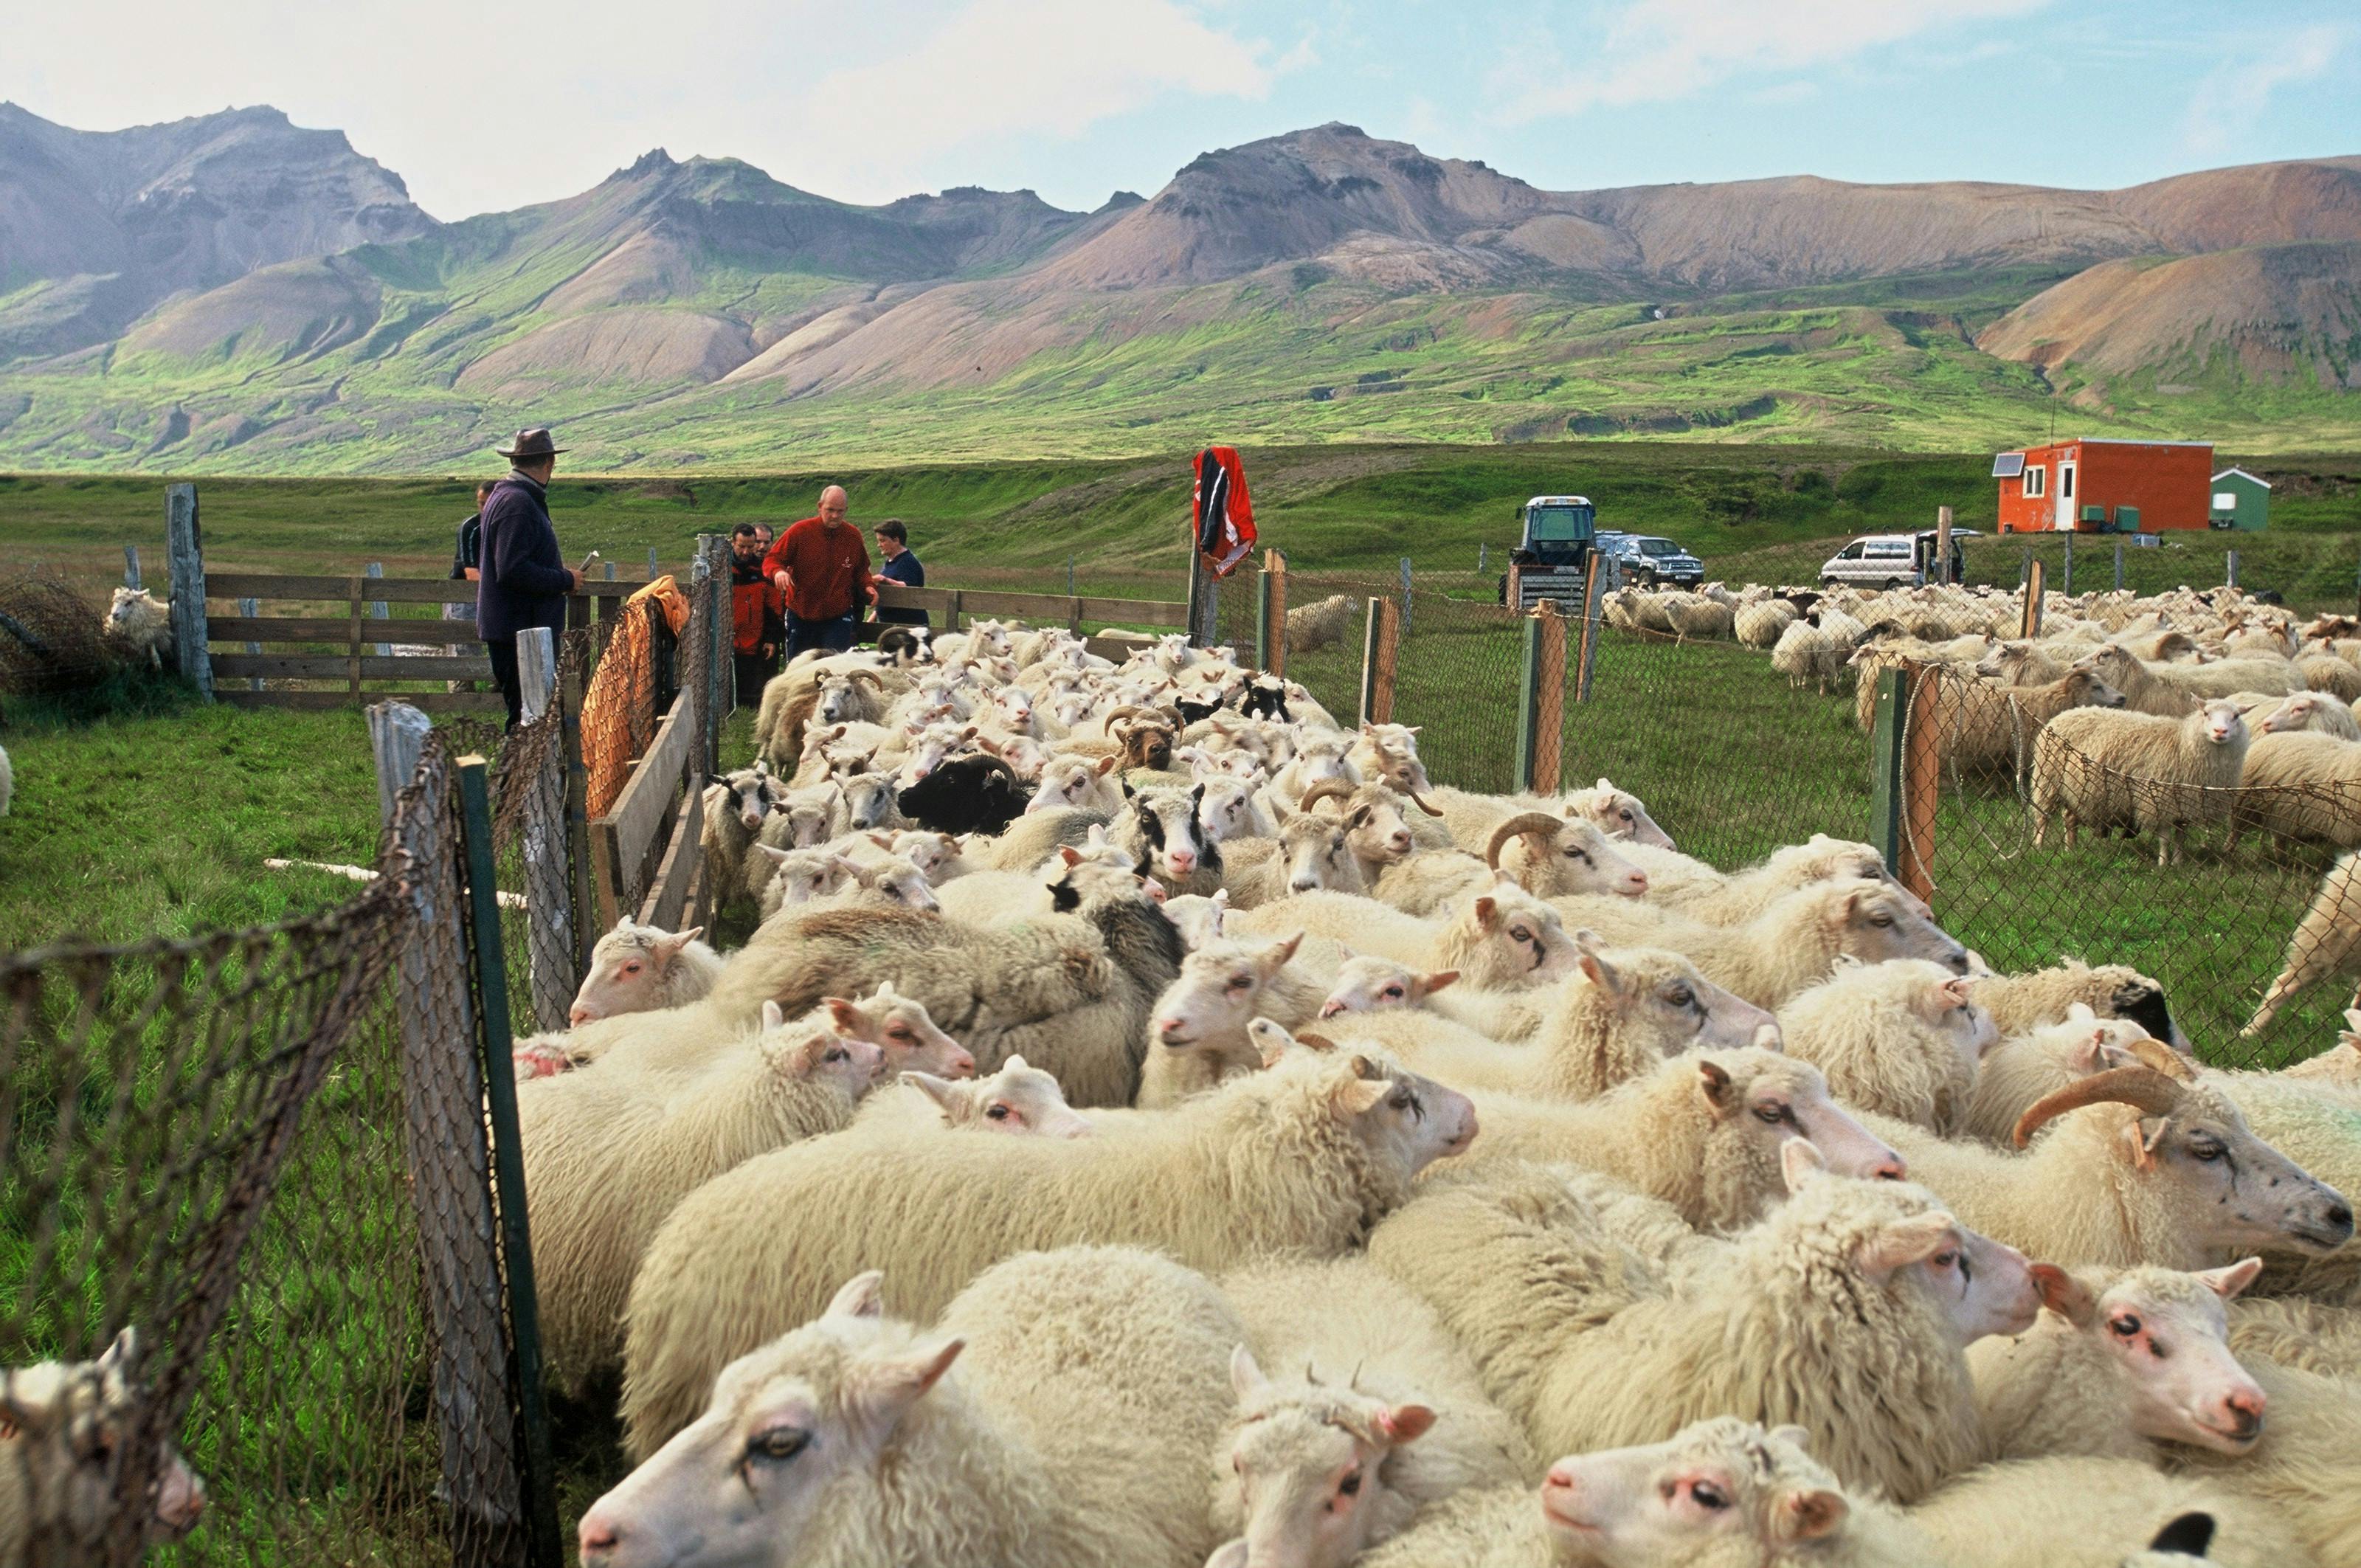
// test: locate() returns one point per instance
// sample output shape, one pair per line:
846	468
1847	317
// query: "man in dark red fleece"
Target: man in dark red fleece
822	569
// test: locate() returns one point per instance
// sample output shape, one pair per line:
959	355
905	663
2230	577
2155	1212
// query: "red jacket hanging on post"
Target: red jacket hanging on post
1225	515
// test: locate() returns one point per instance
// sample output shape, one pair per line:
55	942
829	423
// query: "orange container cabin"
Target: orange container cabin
2099	487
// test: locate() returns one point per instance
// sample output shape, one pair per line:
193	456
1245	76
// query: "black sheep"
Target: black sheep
966	794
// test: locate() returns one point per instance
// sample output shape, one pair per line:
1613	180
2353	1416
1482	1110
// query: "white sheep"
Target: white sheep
1987	728
2306	712
2143	690
1812	653
609	1153
61	1430
1793	944
1314	626
2326	942
2100	768
1057	1416
1621	1012
1847	1310
1385	1415
2020	1004
637	968
2301	786
1703	1133
1018	1099
2134	1165
1759	624
2091	1512
1297	1159
1197	1030
1903	1038
138	627
2019	1071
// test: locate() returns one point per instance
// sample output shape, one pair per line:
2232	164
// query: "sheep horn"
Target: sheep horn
1516	826
1126	711
2143	1086
2162	1058
1424	805
1327	789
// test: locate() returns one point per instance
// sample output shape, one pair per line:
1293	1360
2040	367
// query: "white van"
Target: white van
1889	561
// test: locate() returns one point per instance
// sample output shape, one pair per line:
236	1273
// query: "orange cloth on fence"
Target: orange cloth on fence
619	711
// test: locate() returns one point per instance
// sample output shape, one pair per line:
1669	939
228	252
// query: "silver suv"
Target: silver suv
1880	561
1649	561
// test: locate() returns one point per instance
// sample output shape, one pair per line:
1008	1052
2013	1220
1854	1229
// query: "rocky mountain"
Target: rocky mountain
96	227
1323	284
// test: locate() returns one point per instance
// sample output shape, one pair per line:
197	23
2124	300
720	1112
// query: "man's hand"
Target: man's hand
575	575
779	579
770	650
871	591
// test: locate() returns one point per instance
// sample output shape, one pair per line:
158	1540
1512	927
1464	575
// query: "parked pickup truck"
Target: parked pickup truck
1650	562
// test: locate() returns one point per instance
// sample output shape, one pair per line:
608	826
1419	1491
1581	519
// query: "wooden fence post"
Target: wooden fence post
1378	651
185	542
488	960
548	907
1274	567
450	1187
2034	575
578	820
652	564
1541	708
377	611
131	567
1942	544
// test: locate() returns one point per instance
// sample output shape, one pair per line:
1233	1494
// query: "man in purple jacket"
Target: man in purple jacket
524	580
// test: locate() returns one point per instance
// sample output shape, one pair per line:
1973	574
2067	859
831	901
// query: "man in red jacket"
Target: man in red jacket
821	568
755	609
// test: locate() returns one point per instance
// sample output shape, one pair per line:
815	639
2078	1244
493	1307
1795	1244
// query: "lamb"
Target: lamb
1076	782
1988	728
138	627
1199	1026
1574	1334
2139	1167
1018	1099
795	879
1312	627
607	1154
1759	624
1068	991
1302	1158
1387	754
734	807
1816	653
2020	1004
1032	1449
2301	786
1620	1014
2326	942
2103	769
637	968
1902	1037
61	1425
1695	615
1793	943
2143	690
1703	1132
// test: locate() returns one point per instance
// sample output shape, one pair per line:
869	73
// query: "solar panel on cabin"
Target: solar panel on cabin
2008	465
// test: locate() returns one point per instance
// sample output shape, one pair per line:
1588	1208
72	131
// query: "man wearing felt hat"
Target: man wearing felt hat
524	579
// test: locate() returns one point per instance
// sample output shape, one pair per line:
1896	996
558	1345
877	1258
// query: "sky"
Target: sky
484	108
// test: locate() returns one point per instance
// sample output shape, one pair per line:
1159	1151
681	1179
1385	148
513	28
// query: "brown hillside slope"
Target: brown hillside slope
2281	311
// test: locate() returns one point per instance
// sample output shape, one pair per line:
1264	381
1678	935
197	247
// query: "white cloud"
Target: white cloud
1003	68
2233	94
1653	52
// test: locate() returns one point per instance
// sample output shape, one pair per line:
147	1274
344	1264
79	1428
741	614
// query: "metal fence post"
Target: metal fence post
1481	550
378	611
2119	565
1594	593
442	1093
1405	591
654	567
488	960
2069	566
251	609
1070	577
2231	566
1529	700
1885	734
131	567
185	542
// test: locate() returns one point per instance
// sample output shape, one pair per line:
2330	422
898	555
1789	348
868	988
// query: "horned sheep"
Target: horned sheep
1302	1158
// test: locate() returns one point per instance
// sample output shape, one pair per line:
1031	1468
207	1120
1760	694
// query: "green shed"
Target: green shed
2239	501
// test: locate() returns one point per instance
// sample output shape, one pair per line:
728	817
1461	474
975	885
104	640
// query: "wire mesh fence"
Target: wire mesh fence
248	1147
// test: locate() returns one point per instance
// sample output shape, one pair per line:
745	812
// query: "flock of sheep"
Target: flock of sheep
2157	715
1153	1124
